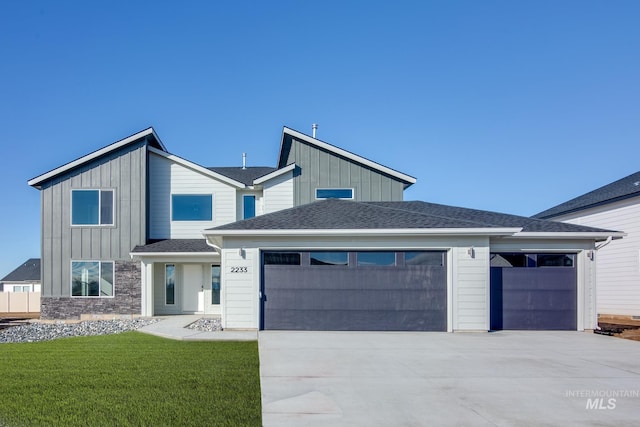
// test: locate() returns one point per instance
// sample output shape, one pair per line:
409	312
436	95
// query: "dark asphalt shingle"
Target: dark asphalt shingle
28	271
245	176
175	245
343	214
624	188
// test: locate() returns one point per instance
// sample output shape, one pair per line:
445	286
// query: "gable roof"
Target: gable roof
29	271
276	173
406	179
197	167
624	188
148	133
393	217
245	176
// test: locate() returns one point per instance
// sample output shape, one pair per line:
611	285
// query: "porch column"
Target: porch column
147	288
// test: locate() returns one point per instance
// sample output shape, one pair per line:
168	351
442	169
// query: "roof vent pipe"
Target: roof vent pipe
314	127
244	161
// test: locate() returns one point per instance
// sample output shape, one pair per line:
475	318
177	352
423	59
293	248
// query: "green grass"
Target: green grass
129	379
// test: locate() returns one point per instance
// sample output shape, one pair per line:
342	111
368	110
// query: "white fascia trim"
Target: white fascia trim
368	232
347	154
197	167
570	235
140	255
274	174
37	180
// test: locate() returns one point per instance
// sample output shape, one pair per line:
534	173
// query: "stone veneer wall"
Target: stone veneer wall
127	299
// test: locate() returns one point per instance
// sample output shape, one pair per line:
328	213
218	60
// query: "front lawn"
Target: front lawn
129	379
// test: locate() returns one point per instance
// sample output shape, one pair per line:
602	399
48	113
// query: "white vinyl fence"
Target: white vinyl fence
19	302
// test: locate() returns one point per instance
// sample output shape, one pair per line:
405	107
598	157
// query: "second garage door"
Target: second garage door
356	291
533	291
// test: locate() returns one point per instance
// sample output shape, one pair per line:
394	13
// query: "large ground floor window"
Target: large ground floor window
92	278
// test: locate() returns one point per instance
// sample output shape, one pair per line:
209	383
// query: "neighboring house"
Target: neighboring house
615	206
124	234
25	278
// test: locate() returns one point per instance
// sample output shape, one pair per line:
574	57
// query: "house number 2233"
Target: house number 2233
239	269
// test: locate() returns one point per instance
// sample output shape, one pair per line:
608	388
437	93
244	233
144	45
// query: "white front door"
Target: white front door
193	288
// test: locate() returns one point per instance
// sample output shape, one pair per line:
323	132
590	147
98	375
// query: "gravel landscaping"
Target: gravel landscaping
206	324
34	332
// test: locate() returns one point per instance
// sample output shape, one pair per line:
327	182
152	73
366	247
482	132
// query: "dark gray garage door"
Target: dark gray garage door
533	291
354	291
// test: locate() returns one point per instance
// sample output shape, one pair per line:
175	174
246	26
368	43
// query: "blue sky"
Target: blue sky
497	105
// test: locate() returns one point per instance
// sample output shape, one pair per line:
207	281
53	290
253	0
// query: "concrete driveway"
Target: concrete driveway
416	379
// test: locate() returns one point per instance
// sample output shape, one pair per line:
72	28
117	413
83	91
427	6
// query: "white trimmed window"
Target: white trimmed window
334	193
169	284
191	207
92	207
215	284
248	206
92	279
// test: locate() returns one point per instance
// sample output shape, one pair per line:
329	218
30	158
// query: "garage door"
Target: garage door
533	291
354	291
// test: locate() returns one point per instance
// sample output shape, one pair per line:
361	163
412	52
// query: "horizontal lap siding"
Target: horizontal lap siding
123	171
240	290
166	178
471	287
278	193
618	264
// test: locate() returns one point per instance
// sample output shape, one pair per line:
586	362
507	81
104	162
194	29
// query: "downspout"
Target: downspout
602	245
595	295
216	247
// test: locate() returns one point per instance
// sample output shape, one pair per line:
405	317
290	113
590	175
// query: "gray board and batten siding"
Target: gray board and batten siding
124	171
320	168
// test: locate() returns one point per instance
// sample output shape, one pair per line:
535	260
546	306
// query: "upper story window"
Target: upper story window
191	207
248	206
334	193
92	207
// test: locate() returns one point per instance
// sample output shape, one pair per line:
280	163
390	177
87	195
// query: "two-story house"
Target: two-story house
135	198
323	240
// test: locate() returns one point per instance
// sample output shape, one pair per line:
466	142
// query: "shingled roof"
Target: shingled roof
619	190
343	214
29	271
175	246
245	176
